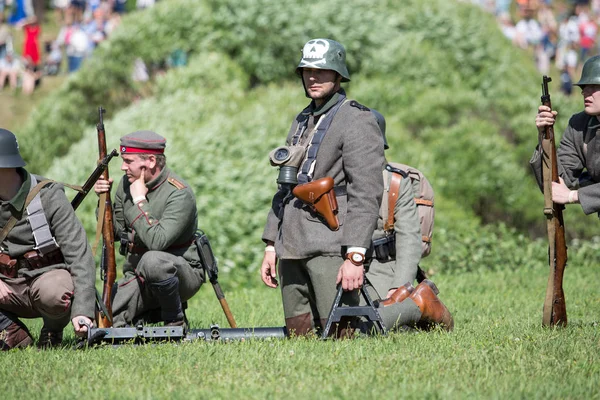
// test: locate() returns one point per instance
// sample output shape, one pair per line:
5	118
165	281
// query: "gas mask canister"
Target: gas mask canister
288	159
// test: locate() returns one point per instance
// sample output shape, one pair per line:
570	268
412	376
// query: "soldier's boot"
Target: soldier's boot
404	291
300	325
50	338
13	333
433	311
167	294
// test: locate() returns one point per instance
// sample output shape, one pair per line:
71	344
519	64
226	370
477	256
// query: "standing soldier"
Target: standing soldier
337	138
156	219
579	149
395	261
46	265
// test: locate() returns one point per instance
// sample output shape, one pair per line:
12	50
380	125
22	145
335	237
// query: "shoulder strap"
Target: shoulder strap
308	166
392	197
44	240
12	221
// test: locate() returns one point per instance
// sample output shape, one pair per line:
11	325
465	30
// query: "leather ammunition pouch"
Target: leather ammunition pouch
30	260
384	249
321	198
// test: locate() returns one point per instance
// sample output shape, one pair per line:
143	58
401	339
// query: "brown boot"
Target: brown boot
399	295
433	311
49	338
300	325
16	335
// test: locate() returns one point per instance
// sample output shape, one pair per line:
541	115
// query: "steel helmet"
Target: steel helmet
9	150
590	75
324	54
381	123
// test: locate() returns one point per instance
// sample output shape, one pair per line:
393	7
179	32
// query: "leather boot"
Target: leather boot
405	291
15	335
300	325
50	338
167	294
433	311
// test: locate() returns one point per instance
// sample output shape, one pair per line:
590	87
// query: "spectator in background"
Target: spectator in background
61	7
10	67
141	4
587	34
31	47
5	37
75	42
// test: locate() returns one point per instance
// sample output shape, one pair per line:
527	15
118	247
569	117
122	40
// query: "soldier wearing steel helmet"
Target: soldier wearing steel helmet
46	266
579	149
156	219
332	137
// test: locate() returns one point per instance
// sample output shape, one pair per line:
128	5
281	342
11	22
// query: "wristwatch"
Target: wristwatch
356	258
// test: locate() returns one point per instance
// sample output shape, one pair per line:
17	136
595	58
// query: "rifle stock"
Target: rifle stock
555	311
319	195
108	261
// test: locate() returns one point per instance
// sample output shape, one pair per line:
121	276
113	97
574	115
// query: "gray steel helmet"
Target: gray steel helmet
9	150
590	75
381	123
324	54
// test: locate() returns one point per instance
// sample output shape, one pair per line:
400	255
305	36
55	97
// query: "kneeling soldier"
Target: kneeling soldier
156	219
46	265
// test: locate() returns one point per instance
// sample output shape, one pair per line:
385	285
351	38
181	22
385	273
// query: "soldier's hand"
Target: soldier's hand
5	292
545	117
80	325
561	193
138	187
268	269
350	275
102	185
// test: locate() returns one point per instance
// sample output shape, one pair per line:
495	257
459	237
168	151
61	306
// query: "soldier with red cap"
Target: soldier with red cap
156	218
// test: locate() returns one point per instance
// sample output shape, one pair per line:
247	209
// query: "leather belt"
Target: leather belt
134	249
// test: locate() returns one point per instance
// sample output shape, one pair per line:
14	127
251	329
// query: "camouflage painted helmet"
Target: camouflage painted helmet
381	123
590	75
9	150
324	54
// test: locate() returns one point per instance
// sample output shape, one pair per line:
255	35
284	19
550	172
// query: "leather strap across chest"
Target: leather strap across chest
308	165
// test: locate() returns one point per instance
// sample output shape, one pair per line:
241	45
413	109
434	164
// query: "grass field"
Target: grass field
498	350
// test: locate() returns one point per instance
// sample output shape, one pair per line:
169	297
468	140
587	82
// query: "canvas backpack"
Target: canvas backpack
423	192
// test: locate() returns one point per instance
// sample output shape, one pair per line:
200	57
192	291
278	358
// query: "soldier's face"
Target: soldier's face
591	99
320	83
133	166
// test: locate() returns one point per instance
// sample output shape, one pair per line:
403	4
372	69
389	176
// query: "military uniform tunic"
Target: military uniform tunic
578	160
66	289
163	228
310	253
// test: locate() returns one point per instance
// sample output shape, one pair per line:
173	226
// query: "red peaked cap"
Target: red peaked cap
143	142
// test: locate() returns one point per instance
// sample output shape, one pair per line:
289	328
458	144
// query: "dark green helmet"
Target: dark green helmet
381	123
590	75
9	150
324	54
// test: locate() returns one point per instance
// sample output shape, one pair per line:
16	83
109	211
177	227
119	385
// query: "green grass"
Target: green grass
498	350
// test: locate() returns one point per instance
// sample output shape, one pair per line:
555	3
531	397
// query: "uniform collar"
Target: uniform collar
318	111
159	180
18	202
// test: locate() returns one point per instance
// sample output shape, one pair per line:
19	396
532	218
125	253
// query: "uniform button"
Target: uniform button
150	221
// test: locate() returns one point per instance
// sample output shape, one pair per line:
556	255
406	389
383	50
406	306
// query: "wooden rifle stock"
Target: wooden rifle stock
108	261
555	311
320	196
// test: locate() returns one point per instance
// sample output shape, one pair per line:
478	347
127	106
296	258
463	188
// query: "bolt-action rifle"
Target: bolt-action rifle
108	265
91	180
555	311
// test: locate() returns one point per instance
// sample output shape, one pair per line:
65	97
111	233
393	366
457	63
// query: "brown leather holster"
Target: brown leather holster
8	266
320	196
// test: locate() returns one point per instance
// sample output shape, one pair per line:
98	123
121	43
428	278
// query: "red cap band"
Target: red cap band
125	149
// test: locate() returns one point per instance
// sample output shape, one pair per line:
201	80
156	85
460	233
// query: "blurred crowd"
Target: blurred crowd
560	33
82	26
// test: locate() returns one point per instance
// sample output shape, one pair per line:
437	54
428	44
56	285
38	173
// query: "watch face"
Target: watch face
357	257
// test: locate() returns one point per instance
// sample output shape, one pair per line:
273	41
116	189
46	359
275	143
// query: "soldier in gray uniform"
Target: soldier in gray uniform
579	149
390	277
343	143
49	274
156	219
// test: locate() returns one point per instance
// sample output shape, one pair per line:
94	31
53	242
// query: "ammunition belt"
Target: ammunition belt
31	260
